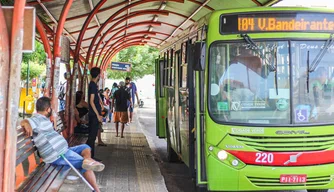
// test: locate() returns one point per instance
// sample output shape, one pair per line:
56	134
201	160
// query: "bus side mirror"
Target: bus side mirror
199	56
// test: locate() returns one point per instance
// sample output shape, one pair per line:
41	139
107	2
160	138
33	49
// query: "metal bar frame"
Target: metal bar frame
4	62
13	95
123	46
122	30
56	50
134	14
47	48
110	19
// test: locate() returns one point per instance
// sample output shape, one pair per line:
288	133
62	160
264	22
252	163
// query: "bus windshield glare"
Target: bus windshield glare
258	84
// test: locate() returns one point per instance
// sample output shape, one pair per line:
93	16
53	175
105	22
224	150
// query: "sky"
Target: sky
307	3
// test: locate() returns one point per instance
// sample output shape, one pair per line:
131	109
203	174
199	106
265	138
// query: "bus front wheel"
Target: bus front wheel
317	190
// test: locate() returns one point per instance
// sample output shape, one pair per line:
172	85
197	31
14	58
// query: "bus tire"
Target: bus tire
171	154
317	190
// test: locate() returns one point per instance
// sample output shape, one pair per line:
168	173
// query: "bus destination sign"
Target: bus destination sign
273	22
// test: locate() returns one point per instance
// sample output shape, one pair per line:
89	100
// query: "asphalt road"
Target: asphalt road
176	175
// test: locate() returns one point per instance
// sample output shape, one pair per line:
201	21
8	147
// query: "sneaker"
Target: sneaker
89	164
127	124
96	159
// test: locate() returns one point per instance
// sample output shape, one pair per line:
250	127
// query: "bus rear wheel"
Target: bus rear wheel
317	190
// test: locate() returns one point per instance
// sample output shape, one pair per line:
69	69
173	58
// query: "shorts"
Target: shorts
120	116
61	105
73	155
131	109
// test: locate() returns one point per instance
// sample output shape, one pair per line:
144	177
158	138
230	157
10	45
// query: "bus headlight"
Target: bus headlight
222	155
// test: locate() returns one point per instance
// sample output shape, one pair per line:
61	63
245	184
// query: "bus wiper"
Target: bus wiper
308	72
249	40
317	59
321	54
276	84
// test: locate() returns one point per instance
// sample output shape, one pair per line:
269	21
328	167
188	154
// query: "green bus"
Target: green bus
245	99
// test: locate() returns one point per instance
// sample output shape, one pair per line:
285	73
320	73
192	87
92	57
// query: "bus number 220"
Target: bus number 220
264	158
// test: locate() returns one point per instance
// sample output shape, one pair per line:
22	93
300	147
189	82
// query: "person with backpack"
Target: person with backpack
121	108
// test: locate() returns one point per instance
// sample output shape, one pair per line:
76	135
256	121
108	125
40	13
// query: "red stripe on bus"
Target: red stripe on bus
284	158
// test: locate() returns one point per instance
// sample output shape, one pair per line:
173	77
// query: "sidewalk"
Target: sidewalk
129	161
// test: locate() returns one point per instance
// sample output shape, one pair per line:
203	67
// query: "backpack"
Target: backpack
61	94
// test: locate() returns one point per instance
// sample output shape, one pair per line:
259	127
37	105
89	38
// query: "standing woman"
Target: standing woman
106	102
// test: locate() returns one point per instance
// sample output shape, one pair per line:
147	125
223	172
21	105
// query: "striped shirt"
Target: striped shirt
49	143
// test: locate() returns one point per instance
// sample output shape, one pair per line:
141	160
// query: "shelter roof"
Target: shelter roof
119	23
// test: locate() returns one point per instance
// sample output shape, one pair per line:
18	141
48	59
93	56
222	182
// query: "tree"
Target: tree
36	62
38	56
142	59
35	70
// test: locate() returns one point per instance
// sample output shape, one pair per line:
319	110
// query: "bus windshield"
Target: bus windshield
258	84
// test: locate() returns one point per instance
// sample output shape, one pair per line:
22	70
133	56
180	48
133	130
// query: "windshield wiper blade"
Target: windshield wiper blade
321	54
308	72
249	40
276	83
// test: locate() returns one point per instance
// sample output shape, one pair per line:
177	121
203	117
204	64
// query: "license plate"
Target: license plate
293	179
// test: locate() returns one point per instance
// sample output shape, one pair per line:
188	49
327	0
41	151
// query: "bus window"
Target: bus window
243	83
183	80
172	63
313	101
161	67
167	69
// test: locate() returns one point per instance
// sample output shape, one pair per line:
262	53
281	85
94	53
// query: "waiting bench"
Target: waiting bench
32	174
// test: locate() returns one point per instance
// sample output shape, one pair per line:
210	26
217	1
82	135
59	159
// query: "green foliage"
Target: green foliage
38	56
35	70
6	2
142	59
36	62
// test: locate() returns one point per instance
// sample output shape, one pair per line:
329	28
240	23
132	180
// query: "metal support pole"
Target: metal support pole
78	173
80	78
13	95
72	105
4	63
47	49
68	101
27	90
56	49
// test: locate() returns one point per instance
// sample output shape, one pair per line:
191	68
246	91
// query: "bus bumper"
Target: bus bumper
222	177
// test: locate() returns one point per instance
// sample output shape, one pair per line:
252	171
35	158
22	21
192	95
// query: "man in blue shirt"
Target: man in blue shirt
133	92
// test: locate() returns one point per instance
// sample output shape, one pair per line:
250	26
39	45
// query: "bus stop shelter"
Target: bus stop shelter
95	31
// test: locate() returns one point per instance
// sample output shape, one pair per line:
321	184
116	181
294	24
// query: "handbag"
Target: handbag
81	128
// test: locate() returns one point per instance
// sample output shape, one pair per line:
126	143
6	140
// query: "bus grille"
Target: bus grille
275	182
291	144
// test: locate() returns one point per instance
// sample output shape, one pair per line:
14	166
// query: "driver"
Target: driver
242	77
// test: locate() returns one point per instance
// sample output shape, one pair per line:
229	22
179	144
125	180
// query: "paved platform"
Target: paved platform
130	164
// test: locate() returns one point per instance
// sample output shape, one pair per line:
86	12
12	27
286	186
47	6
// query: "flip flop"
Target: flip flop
92	165
102	144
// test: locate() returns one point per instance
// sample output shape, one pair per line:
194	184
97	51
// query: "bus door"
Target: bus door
196	72
169	73
183	105
176	63
160	99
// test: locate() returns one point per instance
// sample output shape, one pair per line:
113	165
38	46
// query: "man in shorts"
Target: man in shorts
51	145
121	109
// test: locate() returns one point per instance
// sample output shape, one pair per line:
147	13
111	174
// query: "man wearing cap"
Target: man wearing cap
121	109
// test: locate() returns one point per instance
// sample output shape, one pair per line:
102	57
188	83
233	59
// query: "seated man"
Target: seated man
51	144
